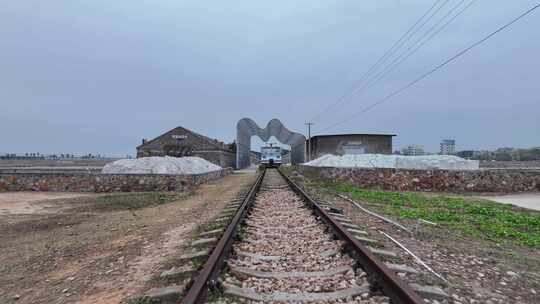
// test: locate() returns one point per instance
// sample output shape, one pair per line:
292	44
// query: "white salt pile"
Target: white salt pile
428	162
160	165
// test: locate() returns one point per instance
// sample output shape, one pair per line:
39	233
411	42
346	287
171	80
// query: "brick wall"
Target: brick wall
78	182
498	181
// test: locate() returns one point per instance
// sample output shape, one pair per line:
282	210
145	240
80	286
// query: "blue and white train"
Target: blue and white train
271	156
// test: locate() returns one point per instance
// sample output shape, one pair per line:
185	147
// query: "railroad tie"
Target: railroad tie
293	297
203	242
178	272
211	233
329	253
325	254
255	225
222	219
401	268
194	255
356	231
227	210
429	291
258	256
353	226
366	240
383	252
169	294
293	274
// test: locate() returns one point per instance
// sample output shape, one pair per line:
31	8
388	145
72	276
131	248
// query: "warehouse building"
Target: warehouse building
180	142
341	144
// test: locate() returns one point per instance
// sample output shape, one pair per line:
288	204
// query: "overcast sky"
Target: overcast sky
97	76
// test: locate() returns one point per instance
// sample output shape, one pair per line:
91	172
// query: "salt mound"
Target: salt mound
428	162
160	165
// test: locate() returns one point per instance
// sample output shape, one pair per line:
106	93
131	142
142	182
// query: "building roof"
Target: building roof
214	142
352	134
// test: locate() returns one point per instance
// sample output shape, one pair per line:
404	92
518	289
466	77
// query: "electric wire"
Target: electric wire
407	53
390	52
435	69
419	43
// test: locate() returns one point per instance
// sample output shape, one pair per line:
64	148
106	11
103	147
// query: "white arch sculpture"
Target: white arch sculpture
246	128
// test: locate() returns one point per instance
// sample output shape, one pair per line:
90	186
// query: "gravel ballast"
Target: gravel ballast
428	162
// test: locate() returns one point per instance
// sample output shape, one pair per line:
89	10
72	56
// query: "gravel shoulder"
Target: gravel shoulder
104	248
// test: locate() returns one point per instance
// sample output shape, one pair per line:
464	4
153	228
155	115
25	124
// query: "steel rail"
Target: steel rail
393	287
207	278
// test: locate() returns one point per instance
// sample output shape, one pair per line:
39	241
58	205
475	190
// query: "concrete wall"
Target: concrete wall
77	182
344	144
497	181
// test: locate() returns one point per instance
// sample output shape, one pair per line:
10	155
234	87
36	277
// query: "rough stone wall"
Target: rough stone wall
498	181
77	182
533	164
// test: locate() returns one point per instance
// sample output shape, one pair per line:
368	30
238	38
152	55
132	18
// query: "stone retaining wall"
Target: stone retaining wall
499	181
79	182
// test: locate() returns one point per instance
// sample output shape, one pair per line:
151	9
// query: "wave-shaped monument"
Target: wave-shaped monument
247	128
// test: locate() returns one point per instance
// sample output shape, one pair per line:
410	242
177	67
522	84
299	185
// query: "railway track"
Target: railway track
281	246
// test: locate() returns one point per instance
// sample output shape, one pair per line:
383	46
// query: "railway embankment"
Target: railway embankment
102	183
457	181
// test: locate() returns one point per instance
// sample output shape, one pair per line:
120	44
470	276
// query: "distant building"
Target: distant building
448	147
342	144
180	142
468	154
413	150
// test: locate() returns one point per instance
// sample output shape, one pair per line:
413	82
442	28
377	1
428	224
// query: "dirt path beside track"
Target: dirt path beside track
88	254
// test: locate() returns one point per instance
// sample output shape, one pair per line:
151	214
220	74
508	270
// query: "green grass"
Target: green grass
133	201
496	222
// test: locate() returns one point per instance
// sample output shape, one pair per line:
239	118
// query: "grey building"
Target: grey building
341	144
448	147
180	142
413	150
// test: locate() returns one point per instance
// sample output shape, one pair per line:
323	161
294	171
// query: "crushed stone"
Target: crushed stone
427	162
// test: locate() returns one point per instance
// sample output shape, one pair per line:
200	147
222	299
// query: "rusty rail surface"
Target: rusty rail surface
207	278
392	286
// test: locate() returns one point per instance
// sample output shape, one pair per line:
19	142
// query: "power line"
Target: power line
438	67
406	53
390	52
419	43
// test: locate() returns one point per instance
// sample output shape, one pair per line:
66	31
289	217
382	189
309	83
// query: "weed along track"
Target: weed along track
281	246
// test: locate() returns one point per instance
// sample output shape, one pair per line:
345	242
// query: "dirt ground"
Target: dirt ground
525	200
34	202
83	254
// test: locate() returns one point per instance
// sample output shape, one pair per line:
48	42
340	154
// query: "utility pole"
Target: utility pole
309	124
